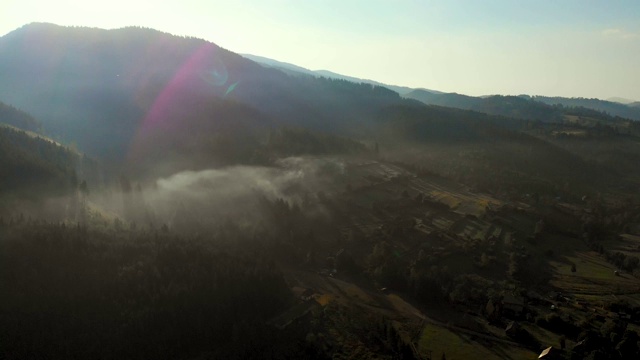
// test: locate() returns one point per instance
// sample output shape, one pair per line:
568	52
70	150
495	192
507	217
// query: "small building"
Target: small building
550	353
303	294
512	329
512	305
580	348
624	316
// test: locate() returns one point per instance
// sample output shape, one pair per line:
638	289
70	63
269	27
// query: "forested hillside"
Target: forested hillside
609	107
101	87
19	119
489	153
116	294
31	164
539	108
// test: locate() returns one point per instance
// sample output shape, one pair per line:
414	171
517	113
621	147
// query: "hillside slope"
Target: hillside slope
609	107
100	87
20	119
510	106
29	164
295	69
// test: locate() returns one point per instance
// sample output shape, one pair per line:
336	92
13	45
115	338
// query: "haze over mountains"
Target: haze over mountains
89	85
434	97
180	103
294	69
98	87
621	100
163	197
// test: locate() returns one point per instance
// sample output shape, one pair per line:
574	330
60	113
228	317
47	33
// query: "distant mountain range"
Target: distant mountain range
621	100
295	69
494	104
541	108
612	108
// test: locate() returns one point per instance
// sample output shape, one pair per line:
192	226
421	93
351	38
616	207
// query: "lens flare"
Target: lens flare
231	88
202	73
216	75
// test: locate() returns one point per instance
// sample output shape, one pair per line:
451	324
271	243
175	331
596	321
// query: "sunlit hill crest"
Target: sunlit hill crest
110	90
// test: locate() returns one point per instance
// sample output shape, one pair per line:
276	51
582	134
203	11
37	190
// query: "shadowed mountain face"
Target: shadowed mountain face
110	90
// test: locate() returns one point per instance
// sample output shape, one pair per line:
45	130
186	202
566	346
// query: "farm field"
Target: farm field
457	345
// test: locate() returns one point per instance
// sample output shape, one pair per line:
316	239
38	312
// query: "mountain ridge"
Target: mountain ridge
401	90
90	85
620	107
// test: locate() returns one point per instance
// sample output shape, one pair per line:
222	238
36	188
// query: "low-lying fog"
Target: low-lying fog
207	197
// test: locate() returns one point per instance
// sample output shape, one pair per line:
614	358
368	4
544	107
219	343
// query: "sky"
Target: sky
573	48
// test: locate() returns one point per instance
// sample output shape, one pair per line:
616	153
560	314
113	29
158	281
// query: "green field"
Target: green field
457	345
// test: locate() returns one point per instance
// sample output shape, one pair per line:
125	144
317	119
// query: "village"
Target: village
526	281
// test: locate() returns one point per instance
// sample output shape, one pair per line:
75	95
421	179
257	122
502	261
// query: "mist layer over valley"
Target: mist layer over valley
199	201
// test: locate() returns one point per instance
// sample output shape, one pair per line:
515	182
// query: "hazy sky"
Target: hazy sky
562	47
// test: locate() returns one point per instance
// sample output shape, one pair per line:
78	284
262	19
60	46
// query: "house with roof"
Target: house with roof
550	353
512	329
303	294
